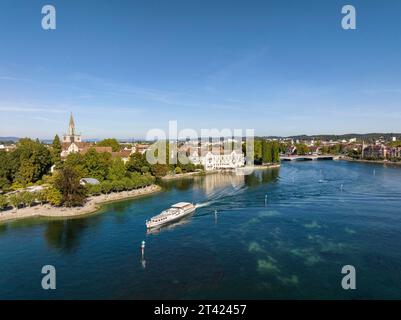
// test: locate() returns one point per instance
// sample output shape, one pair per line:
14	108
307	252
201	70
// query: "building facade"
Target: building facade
211	161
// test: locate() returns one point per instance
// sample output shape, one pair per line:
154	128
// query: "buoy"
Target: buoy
143	249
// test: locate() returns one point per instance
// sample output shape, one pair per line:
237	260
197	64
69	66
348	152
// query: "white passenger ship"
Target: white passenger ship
176	212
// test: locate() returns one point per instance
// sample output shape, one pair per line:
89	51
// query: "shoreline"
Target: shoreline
372	161
182	175
269	166
92	205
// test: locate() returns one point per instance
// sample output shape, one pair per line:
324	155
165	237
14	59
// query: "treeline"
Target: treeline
27	199
29	164
265	152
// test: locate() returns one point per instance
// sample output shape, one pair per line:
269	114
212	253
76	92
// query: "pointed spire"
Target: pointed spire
72	125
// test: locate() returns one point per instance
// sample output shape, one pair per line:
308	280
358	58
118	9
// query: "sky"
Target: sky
124	67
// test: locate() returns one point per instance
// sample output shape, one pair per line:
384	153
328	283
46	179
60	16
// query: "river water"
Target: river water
274	234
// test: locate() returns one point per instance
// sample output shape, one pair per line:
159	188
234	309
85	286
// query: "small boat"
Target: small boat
176	212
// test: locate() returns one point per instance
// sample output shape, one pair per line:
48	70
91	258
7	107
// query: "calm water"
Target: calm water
291	246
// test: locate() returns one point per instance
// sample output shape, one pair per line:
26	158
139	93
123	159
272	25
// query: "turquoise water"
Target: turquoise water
293	245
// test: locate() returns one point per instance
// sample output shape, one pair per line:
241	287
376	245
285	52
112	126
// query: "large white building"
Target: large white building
212	161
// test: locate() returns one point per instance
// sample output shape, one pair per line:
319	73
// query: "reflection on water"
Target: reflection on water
210	183
65	234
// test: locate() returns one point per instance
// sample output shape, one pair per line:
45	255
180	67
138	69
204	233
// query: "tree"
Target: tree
67	182
56	152
267	156
106	187
97	164
77	162
29	162
136	162
302	149
41	196
113	143
276	152
118	185
25	173
94	189
15	200
5	170
3	202
4	184
159	170
117	170
53	196
27	198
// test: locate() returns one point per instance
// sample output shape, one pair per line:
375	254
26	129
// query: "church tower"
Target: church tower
71	136
71	126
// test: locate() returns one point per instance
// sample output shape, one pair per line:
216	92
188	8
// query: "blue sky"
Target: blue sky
124	67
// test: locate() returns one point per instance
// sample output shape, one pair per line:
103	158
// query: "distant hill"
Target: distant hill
366	136
8	139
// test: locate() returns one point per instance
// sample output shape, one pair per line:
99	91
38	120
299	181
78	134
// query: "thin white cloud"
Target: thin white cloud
23	109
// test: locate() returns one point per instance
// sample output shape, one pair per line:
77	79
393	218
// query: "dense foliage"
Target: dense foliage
29	164
72	192
265	152
113	143
25	165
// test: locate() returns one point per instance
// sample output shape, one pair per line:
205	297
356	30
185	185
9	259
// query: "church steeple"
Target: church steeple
72	136
71	126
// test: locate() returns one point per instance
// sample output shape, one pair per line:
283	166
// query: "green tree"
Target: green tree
97	164
276	152
25	173
56	152
15	200
136	162
53	196
29	162
267	155
145	169
4	184
117	169
159	170
41	196
118	185
5	170
302	149
77	162
113	143
27	198
94	189
106	187
67	182
3	202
